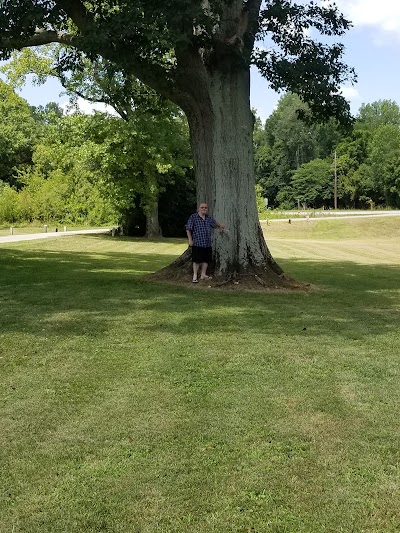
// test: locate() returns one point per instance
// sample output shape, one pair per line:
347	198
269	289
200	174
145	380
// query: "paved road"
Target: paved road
34	236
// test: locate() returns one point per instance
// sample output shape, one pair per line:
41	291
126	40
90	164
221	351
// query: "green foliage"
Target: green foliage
17	133
147	39
312	183
260	200
384	158
9	204
144	153
354	186
28	62
286	143
91	169
300	64
47	114
380	113
64	181
67	179
367	158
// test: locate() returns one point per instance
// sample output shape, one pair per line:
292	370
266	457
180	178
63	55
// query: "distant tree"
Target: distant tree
17	133
368	156
65	181
354	186
312	184
48	113
151	154
9	204
380	113
290	139
368	159
263	161
384	160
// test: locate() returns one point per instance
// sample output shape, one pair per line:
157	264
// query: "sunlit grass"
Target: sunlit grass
133	406
365	229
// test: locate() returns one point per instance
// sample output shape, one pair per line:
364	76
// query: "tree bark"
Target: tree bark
153	229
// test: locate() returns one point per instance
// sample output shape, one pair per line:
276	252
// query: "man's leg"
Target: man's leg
203	274
195	270
207	253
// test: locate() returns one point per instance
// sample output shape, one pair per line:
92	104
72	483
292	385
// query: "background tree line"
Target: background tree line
294	157
136	169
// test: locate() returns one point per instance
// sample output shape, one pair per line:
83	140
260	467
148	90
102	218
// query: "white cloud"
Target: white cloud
350	93
383	15
87	107
352	96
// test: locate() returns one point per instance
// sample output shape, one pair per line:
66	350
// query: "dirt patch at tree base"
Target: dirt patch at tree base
266	278
247	282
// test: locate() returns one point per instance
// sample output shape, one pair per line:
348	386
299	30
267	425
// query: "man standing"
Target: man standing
198	230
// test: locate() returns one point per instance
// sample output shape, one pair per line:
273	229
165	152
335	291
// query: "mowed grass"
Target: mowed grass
134	406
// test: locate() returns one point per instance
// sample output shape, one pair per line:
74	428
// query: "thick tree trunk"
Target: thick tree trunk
229	188
150	205
221	127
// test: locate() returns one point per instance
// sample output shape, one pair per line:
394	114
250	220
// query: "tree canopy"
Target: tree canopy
151	40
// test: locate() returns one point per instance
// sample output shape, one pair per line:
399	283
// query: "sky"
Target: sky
372	48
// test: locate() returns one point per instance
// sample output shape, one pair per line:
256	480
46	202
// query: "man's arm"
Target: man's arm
189	230
190	238
217	225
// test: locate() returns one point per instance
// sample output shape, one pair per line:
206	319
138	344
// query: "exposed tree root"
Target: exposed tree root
255	278
225	282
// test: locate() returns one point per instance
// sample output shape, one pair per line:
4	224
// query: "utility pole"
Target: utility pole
335	183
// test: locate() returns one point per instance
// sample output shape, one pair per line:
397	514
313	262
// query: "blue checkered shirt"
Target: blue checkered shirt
201	229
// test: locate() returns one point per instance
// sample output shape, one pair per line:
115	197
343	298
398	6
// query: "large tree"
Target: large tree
198	53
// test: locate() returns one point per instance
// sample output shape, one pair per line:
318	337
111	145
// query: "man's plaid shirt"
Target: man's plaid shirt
201	229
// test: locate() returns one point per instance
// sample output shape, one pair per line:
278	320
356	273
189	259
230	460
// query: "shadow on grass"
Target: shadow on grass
86	293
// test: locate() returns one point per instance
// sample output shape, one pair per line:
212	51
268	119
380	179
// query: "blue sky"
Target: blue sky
372	48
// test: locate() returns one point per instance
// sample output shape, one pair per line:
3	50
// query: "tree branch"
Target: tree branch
253	9
154	76
40	38
107	101
77	12
161	79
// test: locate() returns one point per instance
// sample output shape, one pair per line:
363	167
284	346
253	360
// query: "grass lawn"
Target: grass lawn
134	406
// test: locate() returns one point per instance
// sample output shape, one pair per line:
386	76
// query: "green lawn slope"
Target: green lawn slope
134	406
